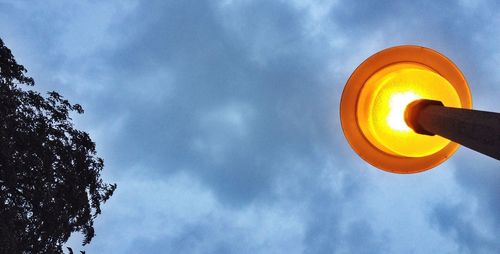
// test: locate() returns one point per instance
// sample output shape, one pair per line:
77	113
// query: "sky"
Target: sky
219	121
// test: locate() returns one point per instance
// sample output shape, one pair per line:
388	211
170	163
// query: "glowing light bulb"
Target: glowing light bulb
397	106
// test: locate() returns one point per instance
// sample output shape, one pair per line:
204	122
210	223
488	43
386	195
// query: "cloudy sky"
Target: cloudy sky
219	122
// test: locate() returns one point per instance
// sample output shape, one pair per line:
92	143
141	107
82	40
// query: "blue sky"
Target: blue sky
219	122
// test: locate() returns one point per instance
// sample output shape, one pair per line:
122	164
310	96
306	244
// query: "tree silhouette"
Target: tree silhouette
50	183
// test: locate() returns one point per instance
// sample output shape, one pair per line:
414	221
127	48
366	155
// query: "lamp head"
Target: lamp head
376	95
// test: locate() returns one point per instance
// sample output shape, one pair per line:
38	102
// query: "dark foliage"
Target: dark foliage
50	184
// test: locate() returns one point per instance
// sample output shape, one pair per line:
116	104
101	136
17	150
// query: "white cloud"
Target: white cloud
221	129
146	210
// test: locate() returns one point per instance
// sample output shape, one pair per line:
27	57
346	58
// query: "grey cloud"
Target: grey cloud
475	224
288	105
452	220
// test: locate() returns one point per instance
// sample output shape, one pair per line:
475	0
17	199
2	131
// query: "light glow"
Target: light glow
397	105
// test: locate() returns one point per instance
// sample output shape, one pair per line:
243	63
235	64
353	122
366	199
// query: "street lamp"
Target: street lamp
397	100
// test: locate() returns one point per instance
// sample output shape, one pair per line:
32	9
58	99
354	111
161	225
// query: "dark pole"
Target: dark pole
477	130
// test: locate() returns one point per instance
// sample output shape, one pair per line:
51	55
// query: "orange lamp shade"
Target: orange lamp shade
375	98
